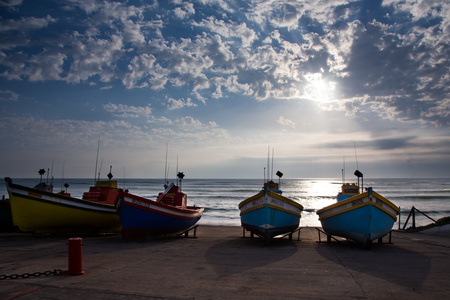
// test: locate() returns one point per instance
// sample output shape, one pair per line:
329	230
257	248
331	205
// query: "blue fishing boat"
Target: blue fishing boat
268	214
168	215
359	217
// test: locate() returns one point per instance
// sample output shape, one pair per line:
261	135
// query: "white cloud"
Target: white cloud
8	95
286	122
180	103
128	111
26	24
265	50
138	70
10	3
184	11
229	30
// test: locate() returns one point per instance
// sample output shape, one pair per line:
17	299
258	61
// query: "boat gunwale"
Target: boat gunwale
282	198
285	210
272	206
384	200
272	194
356	197
252	209
92	206
189	211
369	201
12	187
250	199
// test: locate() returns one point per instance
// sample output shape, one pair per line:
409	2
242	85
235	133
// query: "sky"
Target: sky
319	86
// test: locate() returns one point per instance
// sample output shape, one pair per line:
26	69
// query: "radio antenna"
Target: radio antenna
268	163
96	161
165	167
356	156
271	175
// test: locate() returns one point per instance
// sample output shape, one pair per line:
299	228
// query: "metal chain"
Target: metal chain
28	275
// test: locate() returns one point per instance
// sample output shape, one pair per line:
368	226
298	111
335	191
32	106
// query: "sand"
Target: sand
220	264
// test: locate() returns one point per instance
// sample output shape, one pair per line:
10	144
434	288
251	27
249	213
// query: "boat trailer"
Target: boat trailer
281	236
185	233
329	237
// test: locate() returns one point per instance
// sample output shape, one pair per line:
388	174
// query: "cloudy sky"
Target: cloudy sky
220	81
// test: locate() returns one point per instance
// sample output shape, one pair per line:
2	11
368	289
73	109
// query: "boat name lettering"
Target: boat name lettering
277	202
357	202
134	201
257	202
379	202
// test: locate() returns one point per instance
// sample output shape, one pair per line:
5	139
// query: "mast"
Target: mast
100	170
271	174
52	173
165	166
96	161
62	179
268	163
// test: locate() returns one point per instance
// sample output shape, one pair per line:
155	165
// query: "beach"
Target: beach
220	264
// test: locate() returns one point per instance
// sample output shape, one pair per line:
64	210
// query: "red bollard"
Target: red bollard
75	257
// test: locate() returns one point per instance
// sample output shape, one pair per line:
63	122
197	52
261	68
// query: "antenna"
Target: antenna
271	174
165	166
110	175
52	172
268	163
62	179
100	170
41	172
279	174
96	160
356	156
124	185
264	174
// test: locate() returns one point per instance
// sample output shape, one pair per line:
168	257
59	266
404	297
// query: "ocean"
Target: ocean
220	197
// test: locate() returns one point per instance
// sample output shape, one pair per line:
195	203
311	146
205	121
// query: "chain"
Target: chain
28	275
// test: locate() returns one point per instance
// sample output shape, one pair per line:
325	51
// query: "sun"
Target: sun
317	88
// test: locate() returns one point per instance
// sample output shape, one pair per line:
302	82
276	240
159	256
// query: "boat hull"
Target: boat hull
146	219
361	218
44	212
268	214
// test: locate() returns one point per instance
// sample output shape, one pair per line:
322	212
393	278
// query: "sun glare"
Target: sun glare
317	88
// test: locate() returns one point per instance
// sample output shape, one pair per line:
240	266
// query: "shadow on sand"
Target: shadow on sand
239	255
390	263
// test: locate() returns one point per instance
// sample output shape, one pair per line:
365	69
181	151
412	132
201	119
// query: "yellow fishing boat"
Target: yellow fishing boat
42	211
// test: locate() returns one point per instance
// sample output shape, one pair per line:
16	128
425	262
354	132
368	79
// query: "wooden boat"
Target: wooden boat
268	214
39	210
359	217
167	216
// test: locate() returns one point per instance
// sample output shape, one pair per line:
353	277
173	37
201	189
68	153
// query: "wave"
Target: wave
419	197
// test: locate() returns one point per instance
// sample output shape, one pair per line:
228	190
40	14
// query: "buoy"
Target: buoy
75	257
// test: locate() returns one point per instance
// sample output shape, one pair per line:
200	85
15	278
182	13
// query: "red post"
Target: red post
75	257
